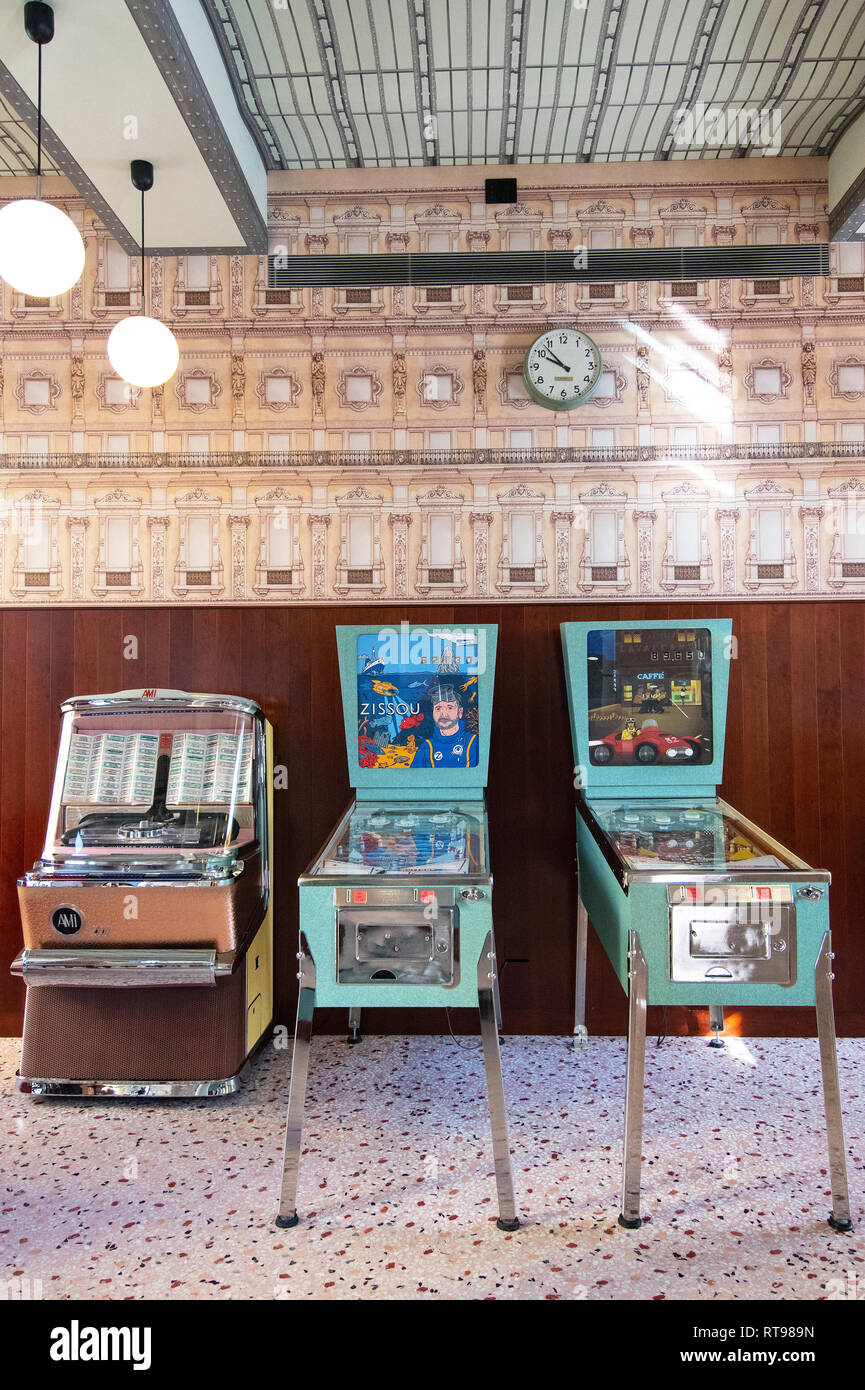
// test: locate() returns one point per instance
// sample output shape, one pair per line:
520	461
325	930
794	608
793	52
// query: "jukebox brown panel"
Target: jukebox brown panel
76	1034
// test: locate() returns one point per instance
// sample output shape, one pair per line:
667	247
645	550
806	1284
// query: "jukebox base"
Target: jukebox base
57	1088
41	1088
53	1088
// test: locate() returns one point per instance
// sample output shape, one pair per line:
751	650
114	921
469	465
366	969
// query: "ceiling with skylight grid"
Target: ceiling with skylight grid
18	144
354	83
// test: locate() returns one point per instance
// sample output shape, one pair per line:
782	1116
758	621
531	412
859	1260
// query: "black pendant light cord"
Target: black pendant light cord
39	27
141	171
39	125
142	252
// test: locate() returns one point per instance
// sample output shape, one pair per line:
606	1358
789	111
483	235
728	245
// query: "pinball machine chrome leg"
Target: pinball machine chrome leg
497	1004
716	1024
497	998
581	1035
297	1088
638	980
354	1027
507	1220
839	1217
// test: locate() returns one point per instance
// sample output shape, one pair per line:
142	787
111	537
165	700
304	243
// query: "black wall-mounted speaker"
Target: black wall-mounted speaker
500	190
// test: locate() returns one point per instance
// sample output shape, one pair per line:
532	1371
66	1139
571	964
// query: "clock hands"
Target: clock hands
553	358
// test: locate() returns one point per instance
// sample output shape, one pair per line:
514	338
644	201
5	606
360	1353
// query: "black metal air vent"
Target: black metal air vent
674	263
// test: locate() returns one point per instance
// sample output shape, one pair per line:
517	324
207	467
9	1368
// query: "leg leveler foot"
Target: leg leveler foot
839	1225
716	1023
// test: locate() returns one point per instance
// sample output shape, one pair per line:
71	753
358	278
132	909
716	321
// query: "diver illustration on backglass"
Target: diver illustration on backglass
417	699
650	696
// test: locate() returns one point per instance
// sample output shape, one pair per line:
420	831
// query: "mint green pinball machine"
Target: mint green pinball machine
396	909
692	903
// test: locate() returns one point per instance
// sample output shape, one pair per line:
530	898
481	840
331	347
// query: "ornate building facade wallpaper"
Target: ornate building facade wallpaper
319	445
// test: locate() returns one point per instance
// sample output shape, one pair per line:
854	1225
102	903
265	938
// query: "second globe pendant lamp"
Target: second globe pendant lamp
142	350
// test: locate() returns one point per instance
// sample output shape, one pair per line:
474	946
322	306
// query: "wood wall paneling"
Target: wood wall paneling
794	753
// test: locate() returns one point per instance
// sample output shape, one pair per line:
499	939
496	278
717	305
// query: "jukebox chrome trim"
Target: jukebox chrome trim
50	879
56	1087
39	1087
119	968
128	698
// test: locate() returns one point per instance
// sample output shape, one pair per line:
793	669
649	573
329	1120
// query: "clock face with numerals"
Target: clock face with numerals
562	368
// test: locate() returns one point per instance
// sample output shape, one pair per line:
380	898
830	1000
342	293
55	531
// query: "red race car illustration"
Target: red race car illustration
644	745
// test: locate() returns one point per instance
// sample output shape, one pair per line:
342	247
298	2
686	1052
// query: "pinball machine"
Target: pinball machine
147	921
396	909
692	903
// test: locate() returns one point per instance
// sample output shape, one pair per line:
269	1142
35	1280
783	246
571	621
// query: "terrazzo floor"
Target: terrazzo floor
176	1199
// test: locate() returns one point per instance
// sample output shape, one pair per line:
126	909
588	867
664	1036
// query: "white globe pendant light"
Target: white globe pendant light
41	249
142	350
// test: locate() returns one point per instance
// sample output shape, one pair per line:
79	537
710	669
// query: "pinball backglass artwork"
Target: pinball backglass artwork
421	710
649	696
417	706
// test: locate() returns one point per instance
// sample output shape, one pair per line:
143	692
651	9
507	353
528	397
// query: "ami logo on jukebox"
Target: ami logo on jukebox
417	698
650	696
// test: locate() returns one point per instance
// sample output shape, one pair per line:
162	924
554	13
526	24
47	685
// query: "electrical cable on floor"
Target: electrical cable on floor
453	1034
662	1036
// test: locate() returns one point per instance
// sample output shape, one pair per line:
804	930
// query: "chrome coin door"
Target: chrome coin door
738	933
405	936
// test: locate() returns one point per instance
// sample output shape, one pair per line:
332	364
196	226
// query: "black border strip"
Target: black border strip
66	163
164	37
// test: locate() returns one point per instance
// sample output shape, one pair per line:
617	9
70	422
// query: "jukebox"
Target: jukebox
396	909
147	921
692	903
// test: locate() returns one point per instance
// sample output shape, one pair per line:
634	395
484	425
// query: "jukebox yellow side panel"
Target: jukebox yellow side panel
259	958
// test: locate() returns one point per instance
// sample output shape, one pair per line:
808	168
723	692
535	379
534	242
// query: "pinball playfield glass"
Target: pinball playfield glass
147	920
396	910
693	904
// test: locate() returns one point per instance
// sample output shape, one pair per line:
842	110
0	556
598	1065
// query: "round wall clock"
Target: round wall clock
562	368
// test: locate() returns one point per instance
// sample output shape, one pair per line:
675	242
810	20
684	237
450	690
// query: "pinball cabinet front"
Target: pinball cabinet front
396	910
147	921
693	904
